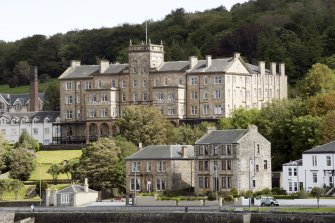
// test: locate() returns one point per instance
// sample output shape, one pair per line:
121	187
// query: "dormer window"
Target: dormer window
18	106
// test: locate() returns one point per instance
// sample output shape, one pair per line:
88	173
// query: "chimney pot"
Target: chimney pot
184	151
282	69
273	68
140	146
75	63
86	185
104	64
237	55
210	129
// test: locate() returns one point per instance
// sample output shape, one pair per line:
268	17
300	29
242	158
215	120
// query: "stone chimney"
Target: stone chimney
75	63
273	68
86	185
210	129
104	64
252	128
34	103
237	55
184	151
282	69
193	61
261	67
140	146
208	60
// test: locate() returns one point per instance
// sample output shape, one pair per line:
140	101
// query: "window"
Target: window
206	165
194	110
201	150
217	110
257	168
113	83
254	183
329	161
170	96
201	165
99	84
92	113
68	86
201	182
205	94
148	166
35	131
258	149
134	97
46	131
295	186
104	112
216	150
229	182
223	150
217	80
104	97
205	110
294	171
18	106
290	171
160	185
88	85
123	97
134	83
78	86
314	161
68	99
217	94
133	70
315	177
160	96
171	110
69	114
124	84
206	182
228	150
228	164
290	186
224	164
193	80
161	166
132	184
135	166
78	113
77	98
205	80
156	82
165	81
194	94
265	164
145	96
144	83
65	198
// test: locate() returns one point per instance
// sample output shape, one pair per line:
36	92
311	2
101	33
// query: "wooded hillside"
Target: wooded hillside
297	32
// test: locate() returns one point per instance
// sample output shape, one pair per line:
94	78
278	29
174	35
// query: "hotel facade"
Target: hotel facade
93	96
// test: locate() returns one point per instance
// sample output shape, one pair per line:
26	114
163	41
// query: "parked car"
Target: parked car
269	201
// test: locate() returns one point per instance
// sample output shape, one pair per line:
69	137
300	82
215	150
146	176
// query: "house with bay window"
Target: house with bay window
315	169
160	168
235	158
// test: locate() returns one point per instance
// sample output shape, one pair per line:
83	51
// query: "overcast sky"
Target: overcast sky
23	18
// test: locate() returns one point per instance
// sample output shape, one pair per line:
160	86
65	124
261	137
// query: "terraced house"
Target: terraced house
93	96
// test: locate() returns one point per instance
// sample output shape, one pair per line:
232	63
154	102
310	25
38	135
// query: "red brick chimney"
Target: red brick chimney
34	103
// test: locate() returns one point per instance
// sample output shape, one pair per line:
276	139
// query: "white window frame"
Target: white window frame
65	198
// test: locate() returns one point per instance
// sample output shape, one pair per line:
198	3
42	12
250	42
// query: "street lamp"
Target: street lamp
216	180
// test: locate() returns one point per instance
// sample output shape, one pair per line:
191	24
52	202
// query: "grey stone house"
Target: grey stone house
160	168
238	158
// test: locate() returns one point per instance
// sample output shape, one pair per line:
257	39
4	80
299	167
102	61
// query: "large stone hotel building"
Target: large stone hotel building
93	96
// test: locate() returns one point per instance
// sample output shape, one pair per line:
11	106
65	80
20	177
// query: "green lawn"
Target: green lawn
46	158
10	196
309	209
24	89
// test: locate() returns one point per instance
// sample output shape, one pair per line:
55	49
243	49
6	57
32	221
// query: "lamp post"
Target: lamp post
40	185
216	181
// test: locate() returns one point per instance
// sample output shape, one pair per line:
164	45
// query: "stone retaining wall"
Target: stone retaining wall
210	217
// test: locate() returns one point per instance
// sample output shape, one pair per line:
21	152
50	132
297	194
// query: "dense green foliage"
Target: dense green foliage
22	163
27	142
102	163
297	32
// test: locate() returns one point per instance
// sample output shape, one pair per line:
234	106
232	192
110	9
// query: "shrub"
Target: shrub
233	192
211	196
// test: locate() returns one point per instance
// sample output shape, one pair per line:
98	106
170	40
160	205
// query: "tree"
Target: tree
328	128
52	102
16	186
4	147
102	163
317	192
54	170
187	134
319	79
145	125
27	142
71	168
22	71
321	104
127	148
22	163
4	186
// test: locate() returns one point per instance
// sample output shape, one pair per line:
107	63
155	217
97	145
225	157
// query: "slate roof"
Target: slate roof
115	68
294	163
222	136
31	115
162	152
174	66
326	148
23	98
217	65
83	71
255	69
74	188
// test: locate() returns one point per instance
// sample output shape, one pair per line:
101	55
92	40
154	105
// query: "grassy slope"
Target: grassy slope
10	196
46	158
24	89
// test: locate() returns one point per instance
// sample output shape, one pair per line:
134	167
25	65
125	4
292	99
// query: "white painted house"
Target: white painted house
39	125
315	169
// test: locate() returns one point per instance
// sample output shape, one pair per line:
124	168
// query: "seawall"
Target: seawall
210	217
